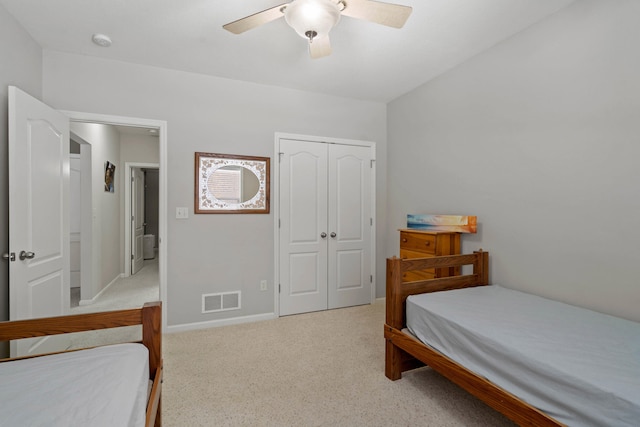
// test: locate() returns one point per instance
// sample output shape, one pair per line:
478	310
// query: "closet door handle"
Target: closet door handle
333	234
323	235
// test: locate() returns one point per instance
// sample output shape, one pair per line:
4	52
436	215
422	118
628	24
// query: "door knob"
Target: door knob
323	234
333	234
26	255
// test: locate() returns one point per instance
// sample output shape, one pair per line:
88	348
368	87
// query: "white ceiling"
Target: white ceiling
369	61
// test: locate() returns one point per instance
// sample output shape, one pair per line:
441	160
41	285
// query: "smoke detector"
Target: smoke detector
101	40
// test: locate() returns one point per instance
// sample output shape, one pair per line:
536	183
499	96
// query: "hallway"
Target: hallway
128	292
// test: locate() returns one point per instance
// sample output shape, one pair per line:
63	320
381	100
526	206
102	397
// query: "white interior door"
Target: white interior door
350	225
38	217
137	219
303	229
325	226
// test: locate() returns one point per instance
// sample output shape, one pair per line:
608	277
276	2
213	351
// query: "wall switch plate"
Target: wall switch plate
263	285
182	213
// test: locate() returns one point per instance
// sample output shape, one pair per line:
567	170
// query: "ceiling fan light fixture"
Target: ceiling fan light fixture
312	18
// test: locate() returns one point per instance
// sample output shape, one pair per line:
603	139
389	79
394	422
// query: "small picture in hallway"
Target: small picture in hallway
109	176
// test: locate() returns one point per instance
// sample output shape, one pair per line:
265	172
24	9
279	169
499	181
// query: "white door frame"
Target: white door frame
161	125
275	193
86	219
127	210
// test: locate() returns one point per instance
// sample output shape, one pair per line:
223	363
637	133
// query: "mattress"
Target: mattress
578	366
103	386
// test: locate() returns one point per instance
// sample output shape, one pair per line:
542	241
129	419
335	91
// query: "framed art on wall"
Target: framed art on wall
226	183
109	176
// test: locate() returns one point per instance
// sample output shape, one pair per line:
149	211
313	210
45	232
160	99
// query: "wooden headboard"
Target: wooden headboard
149	316
398	291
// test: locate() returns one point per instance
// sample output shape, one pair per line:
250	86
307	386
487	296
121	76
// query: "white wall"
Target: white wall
107	237
139	148
214	253
21	66
539	137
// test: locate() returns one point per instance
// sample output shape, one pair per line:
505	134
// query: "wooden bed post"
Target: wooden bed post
152	333
152	339
481	266
394	318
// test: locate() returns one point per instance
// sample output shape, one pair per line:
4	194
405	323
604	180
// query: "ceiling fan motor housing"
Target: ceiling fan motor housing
312	18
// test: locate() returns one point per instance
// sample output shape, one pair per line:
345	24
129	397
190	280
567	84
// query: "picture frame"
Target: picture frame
109	177
231	184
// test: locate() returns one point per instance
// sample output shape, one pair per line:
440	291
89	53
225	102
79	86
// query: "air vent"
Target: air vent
222	301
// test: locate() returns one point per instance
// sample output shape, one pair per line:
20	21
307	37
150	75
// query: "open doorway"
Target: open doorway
131	152
141	209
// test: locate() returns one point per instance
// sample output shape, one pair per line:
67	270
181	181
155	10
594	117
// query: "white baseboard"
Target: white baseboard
221	322
95	298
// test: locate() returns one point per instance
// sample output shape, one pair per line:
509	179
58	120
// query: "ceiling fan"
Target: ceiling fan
313	19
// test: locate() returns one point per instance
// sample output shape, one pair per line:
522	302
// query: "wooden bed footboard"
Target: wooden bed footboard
404	352
149	316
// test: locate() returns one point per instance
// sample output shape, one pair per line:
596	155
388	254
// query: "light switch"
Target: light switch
182	213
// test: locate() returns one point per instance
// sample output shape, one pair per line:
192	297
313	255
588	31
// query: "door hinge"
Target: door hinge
280	156
278	287
371	163
371	278
132	256
371	221
279	223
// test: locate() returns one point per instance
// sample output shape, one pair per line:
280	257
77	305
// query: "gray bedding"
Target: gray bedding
579	366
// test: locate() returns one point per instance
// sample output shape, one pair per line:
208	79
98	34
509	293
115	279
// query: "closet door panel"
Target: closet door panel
349	226
303	219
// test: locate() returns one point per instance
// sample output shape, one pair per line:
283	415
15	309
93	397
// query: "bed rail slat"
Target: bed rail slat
30	328
436	285
437	262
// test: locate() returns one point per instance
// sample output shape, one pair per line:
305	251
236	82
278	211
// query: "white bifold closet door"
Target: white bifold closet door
325	226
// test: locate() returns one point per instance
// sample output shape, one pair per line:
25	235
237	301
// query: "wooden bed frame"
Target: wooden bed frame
404	352
149	316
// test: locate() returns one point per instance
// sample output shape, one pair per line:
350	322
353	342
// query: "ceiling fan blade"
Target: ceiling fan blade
255	20
320	47
391	15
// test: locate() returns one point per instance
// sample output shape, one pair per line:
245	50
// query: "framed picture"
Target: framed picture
226	183
455	223
109	176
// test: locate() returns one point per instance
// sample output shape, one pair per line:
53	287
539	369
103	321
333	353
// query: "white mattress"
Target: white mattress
576	365
104	386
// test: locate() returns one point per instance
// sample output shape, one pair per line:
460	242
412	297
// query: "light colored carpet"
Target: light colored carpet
315	369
